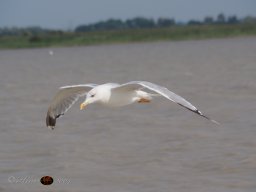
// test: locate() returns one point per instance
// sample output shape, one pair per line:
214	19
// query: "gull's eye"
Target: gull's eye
92	95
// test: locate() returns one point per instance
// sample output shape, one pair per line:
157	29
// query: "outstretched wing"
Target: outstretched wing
134	85
63	100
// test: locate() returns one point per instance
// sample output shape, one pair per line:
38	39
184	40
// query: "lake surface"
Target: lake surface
138	148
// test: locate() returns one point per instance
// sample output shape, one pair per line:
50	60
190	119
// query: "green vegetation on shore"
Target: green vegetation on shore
132	30
173	33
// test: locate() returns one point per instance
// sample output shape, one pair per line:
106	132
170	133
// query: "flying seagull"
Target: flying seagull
113	95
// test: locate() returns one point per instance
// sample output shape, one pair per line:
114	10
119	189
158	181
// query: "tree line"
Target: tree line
135	23
141	22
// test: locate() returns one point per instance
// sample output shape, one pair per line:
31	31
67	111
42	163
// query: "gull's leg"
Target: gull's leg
144	100
143	97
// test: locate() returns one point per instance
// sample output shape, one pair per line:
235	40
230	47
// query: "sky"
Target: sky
68	14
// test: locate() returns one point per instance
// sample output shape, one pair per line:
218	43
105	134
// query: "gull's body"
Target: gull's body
111	95
119	98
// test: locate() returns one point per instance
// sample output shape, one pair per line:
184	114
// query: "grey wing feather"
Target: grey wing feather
63	100
133	85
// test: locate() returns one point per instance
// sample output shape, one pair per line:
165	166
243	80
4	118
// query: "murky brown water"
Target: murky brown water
144	148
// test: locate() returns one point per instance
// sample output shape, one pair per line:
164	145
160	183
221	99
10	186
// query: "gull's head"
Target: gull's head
99	94
91	97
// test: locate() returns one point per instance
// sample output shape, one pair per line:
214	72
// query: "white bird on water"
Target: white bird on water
113	95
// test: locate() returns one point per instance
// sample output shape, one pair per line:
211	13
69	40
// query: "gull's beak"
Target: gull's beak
83	105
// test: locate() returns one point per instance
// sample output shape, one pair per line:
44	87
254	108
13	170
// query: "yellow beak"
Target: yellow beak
82	106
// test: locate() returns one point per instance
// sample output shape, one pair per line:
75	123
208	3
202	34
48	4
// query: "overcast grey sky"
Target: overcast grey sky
67	14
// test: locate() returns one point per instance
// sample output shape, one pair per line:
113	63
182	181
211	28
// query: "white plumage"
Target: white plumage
112	95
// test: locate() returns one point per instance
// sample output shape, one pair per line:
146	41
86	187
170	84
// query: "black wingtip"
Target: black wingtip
200	113
50	121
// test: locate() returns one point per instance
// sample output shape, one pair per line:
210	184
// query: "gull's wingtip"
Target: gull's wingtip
50	127
213	121
200	113
50	121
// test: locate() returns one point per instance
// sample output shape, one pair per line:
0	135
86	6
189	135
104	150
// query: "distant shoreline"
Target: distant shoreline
175	33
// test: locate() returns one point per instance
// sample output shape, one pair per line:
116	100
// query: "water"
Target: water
144	148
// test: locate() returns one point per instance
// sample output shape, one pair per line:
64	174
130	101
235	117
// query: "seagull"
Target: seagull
112	95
